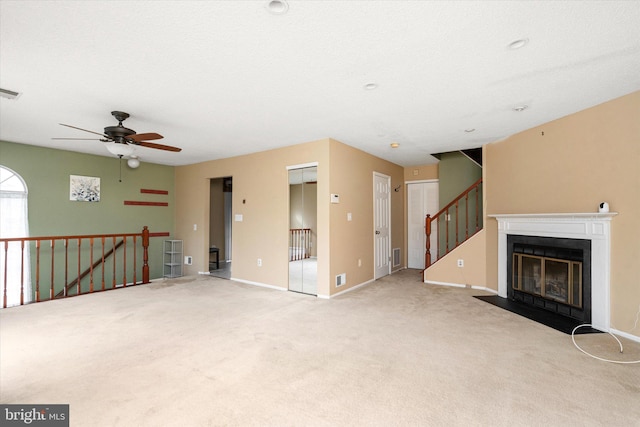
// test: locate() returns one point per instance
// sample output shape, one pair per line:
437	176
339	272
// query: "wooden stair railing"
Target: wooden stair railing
140	243
75	282
299	243
444	217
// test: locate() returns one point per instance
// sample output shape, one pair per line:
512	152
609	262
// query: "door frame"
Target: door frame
375	222
290	168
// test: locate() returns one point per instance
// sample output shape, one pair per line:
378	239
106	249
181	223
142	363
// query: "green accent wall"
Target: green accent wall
46	172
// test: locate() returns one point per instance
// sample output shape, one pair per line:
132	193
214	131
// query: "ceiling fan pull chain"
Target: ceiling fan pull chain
120	178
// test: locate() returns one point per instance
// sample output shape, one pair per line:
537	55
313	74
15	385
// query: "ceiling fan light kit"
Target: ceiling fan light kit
133	162
121	141
119	149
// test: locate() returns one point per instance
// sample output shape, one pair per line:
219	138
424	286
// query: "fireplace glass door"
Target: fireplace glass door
555	279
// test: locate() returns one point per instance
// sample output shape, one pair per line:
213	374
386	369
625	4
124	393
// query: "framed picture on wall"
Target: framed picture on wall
84	188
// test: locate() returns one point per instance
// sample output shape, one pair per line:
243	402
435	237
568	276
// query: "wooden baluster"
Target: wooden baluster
52	291
37	270
447	222
135	252
91	265
79	285
145	254
22	273
457	225
114	256
124	262
466	216
6	252
427	254
66	266
102	266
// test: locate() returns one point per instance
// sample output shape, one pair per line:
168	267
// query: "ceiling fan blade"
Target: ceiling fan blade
139	137
80	139
90	131
158	146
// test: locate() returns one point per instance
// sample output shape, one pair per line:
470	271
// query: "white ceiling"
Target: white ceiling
225	78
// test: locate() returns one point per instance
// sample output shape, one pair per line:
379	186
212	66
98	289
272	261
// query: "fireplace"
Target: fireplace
550	273
592	227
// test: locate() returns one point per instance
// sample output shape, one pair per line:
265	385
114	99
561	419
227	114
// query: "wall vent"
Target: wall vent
341	279
188	260
396	257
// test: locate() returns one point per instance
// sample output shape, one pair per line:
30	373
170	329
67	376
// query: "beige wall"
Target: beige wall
474	270
261	195
571	165
421	173
352	179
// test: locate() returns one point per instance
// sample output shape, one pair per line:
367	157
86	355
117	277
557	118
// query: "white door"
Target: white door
382	224
422	199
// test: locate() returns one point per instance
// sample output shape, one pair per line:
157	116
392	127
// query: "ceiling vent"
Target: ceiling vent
9	94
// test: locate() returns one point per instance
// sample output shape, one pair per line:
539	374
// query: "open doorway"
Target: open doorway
220	223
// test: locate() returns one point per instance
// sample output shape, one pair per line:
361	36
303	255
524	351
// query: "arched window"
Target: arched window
14	223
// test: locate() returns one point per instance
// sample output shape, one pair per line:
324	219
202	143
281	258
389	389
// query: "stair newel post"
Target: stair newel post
427	254
145	254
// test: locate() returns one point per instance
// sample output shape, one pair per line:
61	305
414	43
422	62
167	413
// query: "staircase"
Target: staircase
455	223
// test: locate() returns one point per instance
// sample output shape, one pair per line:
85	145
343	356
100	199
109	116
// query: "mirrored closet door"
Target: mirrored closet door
303	207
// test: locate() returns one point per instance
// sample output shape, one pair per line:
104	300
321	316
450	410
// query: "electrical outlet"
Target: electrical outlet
460	263
259	262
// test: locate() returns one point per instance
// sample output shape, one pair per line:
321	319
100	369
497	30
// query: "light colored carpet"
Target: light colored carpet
207	351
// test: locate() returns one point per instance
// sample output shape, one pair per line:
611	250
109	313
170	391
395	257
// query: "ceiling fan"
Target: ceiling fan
120	140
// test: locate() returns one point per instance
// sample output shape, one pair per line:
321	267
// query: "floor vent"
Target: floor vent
396	257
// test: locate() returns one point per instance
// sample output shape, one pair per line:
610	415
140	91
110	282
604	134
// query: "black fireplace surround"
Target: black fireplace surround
558	248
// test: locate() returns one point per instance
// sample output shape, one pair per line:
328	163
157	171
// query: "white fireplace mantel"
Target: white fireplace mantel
590	226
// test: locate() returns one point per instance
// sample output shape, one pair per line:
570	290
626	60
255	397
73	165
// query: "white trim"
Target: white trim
262	285
421	181
625	335
595	227
347	290
455	285
484	288
302	166
459	285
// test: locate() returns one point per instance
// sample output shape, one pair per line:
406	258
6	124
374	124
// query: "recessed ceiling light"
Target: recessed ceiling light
394	145
469	130
370	86
520	108
517	44
277	7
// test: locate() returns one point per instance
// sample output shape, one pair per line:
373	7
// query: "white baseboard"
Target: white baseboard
347	290
460	285
625	335
262	285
